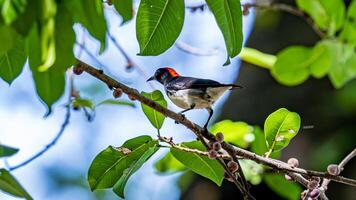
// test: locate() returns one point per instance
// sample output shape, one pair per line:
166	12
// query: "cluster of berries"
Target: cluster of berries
313	191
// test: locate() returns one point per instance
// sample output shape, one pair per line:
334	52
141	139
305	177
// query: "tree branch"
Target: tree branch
276	165
325	183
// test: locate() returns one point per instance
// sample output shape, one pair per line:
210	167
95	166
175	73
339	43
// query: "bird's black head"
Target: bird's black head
163	75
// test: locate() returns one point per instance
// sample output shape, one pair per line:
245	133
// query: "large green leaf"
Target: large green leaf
12	62
25	20
169	164
10	9
6	151
228	16
49	84
282	187
237	133
119	187
64	38
280	127
10	185
109	165
201	165
91	15
7	39
156	118
291	67
158	25
349	30
328	15
124	8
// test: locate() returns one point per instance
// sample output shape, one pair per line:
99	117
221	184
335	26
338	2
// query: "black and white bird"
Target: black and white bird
191	93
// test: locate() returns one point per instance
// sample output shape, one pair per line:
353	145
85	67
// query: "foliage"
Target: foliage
40	33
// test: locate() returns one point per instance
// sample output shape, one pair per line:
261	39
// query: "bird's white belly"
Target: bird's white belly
188	97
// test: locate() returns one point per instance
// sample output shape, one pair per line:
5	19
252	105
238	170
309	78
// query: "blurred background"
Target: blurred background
60	173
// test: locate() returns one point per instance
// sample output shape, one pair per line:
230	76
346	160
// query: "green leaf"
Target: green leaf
280	127
12	62
291	67
115	102
282	187
343	68
7	39
119	187
228	16
10	185
158	25
258	58
156	118
237	133
168	164
109	165
6	151
80	102
49	84
91	15
328	15
252	171
201	165
259	145
349	30
64	39
25	20
322	62
11	9
124	8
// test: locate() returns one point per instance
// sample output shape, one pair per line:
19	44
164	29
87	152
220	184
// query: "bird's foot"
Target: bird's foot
183	118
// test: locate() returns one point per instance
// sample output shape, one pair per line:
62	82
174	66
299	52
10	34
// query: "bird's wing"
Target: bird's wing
181	83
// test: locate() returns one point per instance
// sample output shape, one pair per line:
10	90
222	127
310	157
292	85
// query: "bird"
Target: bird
191	93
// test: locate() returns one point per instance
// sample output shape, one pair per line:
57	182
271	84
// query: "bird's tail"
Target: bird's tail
234	86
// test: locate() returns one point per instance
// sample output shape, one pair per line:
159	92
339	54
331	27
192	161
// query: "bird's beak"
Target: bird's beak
151	78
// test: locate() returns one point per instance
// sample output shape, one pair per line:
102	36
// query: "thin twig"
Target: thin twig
130	62
325	183
195	50
55	139
276	165
289	9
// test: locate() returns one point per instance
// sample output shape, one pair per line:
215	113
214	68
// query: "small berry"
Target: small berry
333	169
219	137
77	69
233	166
109	2
227	177
212	154
132	98
293	162
117	93
312	184
216	146
314	194
288	178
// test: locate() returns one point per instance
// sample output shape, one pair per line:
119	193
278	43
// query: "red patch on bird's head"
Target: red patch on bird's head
171	71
